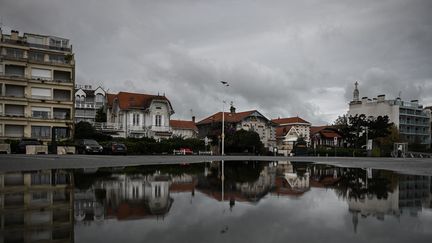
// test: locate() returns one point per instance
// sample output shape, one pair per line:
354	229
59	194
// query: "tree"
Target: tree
353	128
84	130
242	141
101	115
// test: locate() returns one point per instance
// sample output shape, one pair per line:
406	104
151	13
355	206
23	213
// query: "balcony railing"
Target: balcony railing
161	128
85	105
25	43
108	126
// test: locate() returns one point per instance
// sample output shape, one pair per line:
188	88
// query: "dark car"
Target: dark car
115	148
88	146
27	141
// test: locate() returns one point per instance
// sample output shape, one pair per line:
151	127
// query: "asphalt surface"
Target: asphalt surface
17	162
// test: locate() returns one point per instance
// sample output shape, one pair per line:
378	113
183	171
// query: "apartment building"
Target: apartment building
36	86
36	206
87	102
412	120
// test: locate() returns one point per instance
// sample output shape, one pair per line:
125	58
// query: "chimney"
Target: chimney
232	109
14	35
193	119
381	98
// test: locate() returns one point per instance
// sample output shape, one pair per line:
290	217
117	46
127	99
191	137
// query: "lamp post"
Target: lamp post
225	84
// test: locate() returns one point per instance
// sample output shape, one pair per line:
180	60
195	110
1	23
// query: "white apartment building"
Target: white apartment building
412	120
37	75
138	115
87	102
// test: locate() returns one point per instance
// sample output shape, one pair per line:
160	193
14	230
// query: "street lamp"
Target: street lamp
225	84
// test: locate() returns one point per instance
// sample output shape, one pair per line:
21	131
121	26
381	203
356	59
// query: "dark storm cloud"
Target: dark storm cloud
284	58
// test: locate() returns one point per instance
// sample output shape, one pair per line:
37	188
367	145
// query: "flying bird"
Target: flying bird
225	83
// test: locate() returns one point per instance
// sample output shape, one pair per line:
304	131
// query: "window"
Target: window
41	112
16	131
37	56
157	191
40	132
62	76
40	178
57	59
43	74
60	113
14	90
136	119
14	53
158	120
41	93
61	132
14	70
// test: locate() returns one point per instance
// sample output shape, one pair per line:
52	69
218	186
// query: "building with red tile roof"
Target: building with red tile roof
288	131
184	128
252	120
139	115
326	136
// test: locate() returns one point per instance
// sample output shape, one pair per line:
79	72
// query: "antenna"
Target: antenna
400	94
191	111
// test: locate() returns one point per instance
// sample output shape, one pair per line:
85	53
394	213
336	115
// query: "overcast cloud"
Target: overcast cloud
284	58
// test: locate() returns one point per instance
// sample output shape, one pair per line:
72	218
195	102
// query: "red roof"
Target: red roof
128	100
282	130
289	120
330	134
182	124
229	117
314	130
110	98
325	131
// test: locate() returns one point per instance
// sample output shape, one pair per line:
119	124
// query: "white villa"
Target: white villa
288	131
138	115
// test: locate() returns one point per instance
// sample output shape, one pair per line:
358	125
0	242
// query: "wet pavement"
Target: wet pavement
231	201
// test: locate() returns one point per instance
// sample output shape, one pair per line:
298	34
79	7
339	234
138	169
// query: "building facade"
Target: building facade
184	129
36	206
234	121
288	131
411	119
36	86
138	115
87	102
326	136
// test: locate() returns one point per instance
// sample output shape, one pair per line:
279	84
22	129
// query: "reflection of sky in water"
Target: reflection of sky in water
315	216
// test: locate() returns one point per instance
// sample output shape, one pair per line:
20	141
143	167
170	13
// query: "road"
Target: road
15	162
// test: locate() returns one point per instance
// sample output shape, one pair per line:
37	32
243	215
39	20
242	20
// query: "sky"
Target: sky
283	58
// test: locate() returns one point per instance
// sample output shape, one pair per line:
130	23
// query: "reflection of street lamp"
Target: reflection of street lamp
226	84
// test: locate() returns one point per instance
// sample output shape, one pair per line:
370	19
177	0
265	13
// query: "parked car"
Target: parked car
88	146
115	148
27	141
186	151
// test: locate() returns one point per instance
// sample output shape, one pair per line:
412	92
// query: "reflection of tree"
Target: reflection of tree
355	184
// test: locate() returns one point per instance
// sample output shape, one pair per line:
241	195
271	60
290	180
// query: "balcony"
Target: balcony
14	57
23	42
108	126
41	115
161	128
86	105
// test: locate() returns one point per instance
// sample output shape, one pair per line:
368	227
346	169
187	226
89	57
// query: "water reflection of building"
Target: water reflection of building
289	182
36	206
405	194
128	197
244	189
